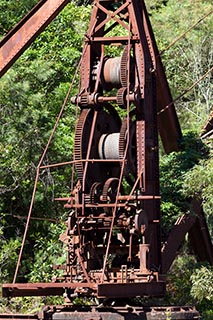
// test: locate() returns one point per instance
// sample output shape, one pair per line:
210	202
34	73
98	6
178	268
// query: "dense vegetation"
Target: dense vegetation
31	95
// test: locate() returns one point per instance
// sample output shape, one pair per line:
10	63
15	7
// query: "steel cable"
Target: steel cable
185	32
185	91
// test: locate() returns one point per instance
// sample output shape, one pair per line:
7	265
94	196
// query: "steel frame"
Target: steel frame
134	84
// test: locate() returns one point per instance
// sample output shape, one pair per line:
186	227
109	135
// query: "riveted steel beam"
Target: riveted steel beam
25	32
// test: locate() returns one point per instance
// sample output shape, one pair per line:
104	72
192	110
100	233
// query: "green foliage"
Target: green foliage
184	175
179	281
202	280
12	11
173	169
31	95
28	305
48	251
187	60
207	315
155	5
8	256
202	290
198	182
191	283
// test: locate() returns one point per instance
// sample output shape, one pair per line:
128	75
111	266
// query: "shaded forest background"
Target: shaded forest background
31	95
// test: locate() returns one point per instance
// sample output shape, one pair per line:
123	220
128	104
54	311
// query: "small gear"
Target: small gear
84	98
110	190
121	97
95	192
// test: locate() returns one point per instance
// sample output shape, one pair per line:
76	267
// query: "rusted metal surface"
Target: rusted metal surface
195	225
109	313
175	240
24	33
174	313
130	313
104	217
41	288
131	290
112	235
199	236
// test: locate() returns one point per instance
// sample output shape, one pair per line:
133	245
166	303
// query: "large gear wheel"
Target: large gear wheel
127	80
107	122
130	169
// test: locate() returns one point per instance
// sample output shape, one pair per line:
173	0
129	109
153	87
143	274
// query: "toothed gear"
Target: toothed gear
121	97
107	122
78	145
130	168
110	190
123	70
95	192
84	100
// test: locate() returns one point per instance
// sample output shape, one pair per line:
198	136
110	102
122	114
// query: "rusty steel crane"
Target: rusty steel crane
113	237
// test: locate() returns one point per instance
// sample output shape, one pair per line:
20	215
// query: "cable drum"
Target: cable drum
111	72
107	123
108	146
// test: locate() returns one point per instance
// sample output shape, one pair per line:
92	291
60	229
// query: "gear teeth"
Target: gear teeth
121	97
78	156
107	121
113	184
129	166
122	139
95	192
123	69
84	100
